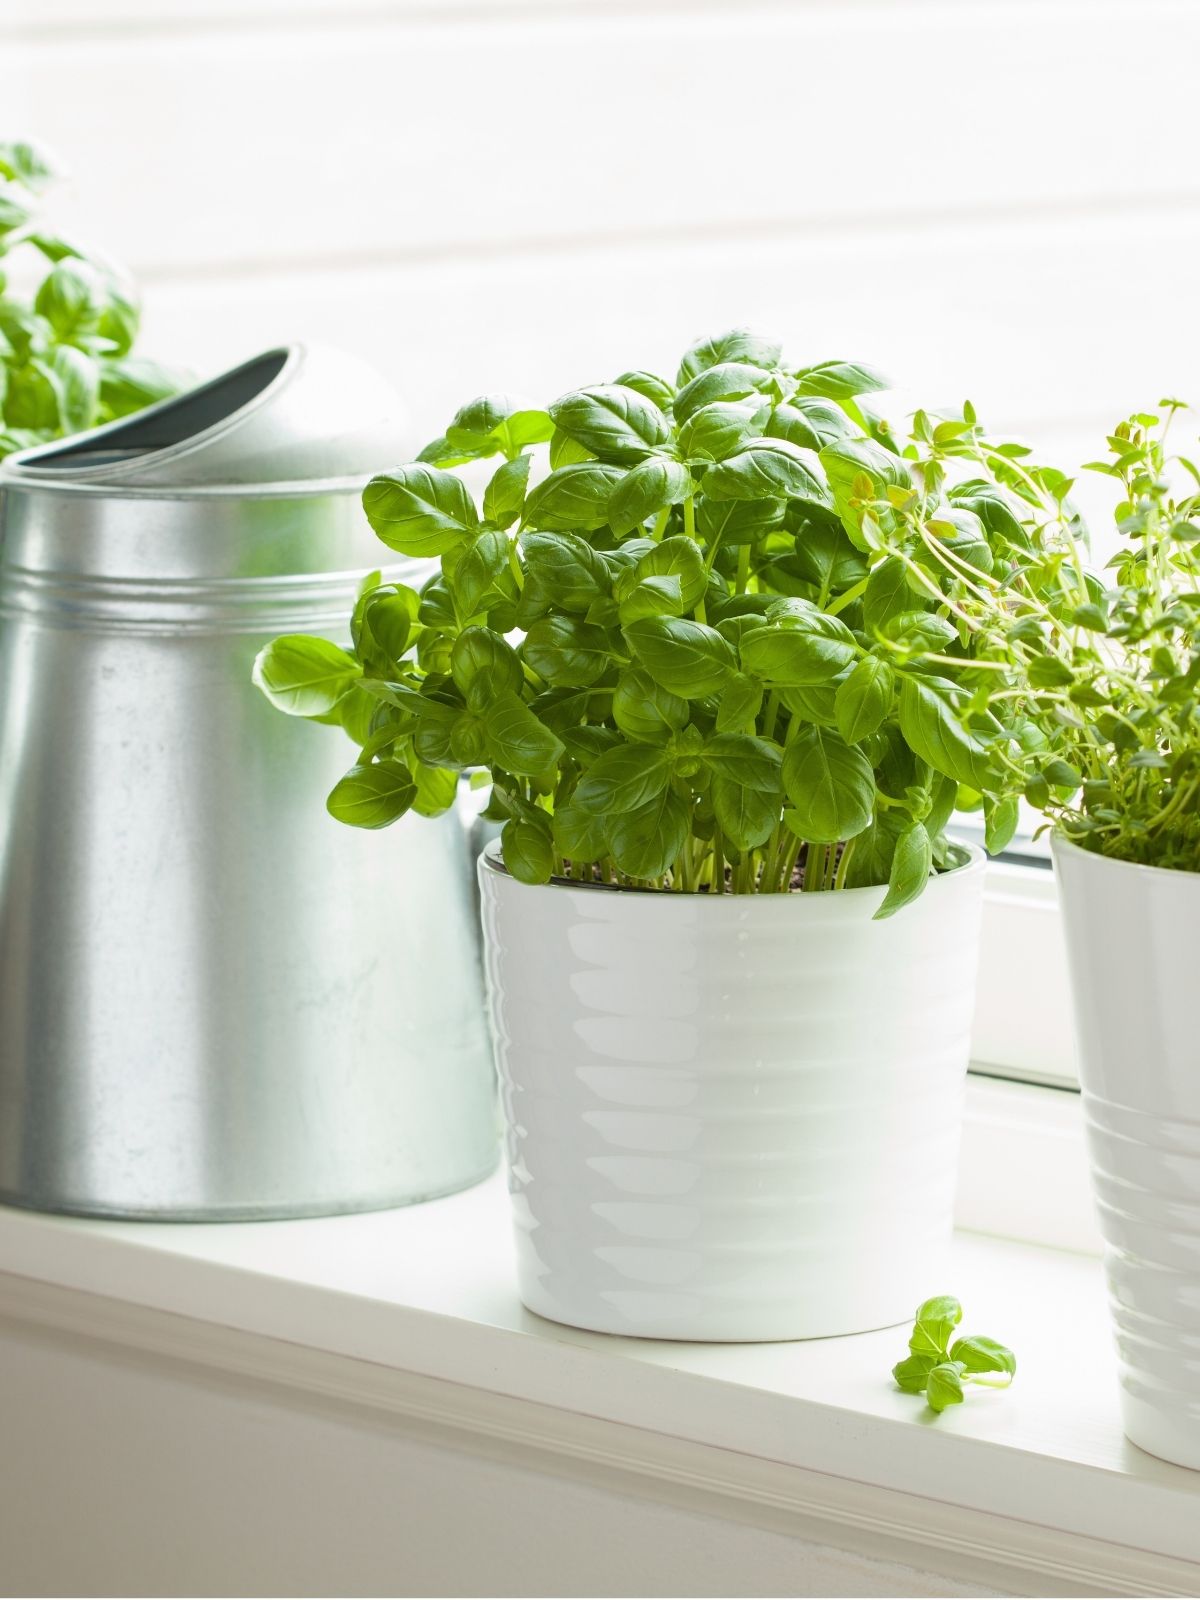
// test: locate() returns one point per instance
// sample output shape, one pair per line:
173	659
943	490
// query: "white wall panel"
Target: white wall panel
395	138
1036	328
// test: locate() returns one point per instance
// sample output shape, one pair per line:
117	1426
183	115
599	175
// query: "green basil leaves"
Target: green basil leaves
941	1367
716	635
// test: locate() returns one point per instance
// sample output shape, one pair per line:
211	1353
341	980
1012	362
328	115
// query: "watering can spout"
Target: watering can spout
295	414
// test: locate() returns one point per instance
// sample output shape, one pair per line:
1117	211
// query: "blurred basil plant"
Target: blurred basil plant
68	321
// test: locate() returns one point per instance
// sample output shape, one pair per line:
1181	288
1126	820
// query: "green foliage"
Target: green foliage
940	1366
65	362
716	638
1095	675
1112	662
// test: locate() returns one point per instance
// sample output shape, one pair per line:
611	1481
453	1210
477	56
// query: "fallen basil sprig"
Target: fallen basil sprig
66	359
709	634
939	1366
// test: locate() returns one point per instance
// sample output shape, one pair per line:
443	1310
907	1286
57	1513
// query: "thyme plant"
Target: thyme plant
726	643
65	347
1119	701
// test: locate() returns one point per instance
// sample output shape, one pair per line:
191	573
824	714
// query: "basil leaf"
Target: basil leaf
567	652
806	650
304	676
737	521
688	658
825	556
373	796
614	423
830	786
578	835
936	1321
766	468
932	728
730	380
528	850
643	709
646	490
624	779
482	416
912	862
131	383
481	575
572	497
517	740
888	594
865	698
420	510
944	1386
912	1374
810	423
980	1354
1000	818
77	380
504	497
720	430
677	557
565	452
645	843
746	816
840	380
484	666
739	344
994	509
860	469
739	705
746	760
655	389
567	570
71	298
437	790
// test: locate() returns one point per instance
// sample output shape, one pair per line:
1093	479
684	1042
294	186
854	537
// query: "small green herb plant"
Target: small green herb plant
65	347
1118	676
723	644
939	1366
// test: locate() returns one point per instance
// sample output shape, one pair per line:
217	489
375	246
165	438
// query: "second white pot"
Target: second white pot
1132	945
735	1117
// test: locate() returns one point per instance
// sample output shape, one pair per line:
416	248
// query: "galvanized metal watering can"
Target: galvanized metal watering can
215	1001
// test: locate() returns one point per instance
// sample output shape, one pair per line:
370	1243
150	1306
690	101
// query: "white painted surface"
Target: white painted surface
129	1473
533	193
1023	1023
1131	936
710	1135
1040	1476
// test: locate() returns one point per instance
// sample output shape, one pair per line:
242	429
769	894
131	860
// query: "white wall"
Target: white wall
997	200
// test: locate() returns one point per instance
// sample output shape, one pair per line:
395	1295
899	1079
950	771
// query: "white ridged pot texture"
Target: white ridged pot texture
1132	947
730	1117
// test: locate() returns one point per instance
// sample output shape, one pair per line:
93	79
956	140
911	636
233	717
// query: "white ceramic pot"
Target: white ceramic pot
730	1117
1132	946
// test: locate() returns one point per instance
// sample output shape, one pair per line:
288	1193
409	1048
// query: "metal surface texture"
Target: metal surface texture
215	1001
735	1117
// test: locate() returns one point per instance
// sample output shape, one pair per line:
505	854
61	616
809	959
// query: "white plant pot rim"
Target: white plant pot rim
1061	843
492	860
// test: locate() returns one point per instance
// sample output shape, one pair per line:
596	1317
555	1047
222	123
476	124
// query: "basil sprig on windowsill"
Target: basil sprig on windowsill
717	645
939	1366
65	349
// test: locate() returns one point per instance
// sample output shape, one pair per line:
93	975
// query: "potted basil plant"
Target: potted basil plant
1112	661
715	663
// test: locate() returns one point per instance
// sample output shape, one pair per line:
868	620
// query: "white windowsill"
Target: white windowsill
414	1313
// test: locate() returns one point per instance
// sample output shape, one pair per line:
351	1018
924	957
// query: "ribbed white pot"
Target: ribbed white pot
730	1117
1132	945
